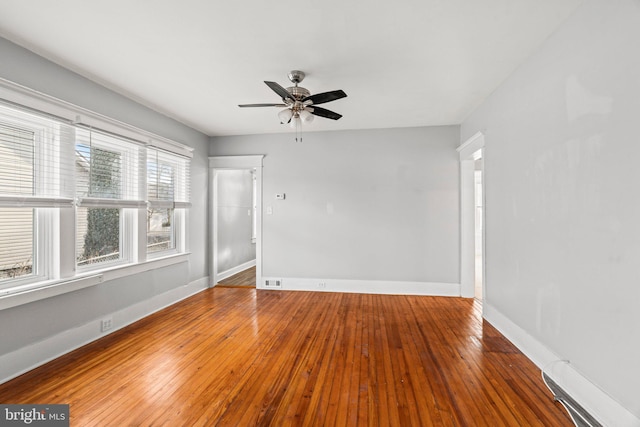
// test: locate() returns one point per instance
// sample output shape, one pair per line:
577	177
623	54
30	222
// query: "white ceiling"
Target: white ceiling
401	62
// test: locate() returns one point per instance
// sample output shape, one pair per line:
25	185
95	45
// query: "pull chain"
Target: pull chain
297	125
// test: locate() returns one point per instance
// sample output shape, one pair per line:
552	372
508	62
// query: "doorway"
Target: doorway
472	217
235	217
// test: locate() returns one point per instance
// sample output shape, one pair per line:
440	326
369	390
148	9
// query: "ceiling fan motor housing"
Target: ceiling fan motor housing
298	92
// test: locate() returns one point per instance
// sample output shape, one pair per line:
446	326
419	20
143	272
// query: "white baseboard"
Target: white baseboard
594	400
27	358
235	270
365	286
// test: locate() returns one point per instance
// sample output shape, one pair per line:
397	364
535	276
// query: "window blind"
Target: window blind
17	148
167	179
36	166
107	170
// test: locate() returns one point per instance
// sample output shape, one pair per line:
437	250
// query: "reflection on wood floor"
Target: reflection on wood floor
247	357
244	279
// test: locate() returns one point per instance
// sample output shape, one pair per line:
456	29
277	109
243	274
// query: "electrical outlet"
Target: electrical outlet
106	324
322	285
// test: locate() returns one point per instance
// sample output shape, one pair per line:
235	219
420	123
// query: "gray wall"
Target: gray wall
43	319
365	205
235	218
562	205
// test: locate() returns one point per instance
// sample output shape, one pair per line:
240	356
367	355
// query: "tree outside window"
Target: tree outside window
99	228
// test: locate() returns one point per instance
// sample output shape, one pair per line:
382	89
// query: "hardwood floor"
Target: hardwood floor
244	279
246	357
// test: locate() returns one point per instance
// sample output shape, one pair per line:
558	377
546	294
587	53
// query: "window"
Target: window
107	180
34	179
17	147
167	192
60	179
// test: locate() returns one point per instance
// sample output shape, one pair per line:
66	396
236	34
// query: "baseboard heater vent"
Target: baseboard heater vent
578	414
273	283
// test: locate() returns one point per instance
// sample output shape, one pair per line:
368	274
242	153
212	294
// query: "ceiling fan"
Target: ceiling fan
299	105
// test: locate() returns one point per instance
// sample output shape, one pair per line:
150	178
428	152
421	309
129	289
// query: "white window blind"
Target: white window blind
167	179
36	161
107	169
17	148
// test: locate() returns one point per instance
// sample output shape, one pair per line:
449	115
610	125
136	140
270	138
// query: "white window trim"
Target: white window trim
35	202
180	189
44	256
30	98
178	236
95	202
24	294
58	241
130	167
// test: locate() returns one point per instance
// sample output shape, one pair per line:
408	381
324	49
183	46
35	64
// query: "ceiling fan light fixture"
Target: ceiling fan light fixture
306	116
295	121
285	115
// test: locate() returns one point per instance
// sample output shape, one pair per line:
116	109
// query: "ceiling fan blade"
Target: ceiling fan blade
261	105
279	90
323	112
321	98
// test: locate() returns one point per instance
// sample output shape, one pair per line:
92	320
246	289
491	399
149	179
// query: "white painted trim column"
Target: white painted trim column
467	214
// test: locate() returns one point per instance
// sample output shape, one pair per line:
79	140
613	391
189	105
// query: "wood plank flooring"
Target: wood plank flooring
247	357
244	279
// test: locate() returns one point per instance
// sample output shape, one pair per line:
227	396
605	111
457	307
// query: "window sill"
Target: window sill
24	294
119	271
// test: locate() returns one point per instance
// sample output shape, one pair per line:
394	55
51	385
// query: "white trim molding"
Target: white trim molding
467	151
235	270
364	286
39	101
19	295
24	294
593	399
235	162
471	145
27	358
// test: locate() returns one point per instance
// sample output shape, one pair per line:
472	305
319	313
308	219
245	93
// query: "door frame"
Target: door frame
468	154
217	163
